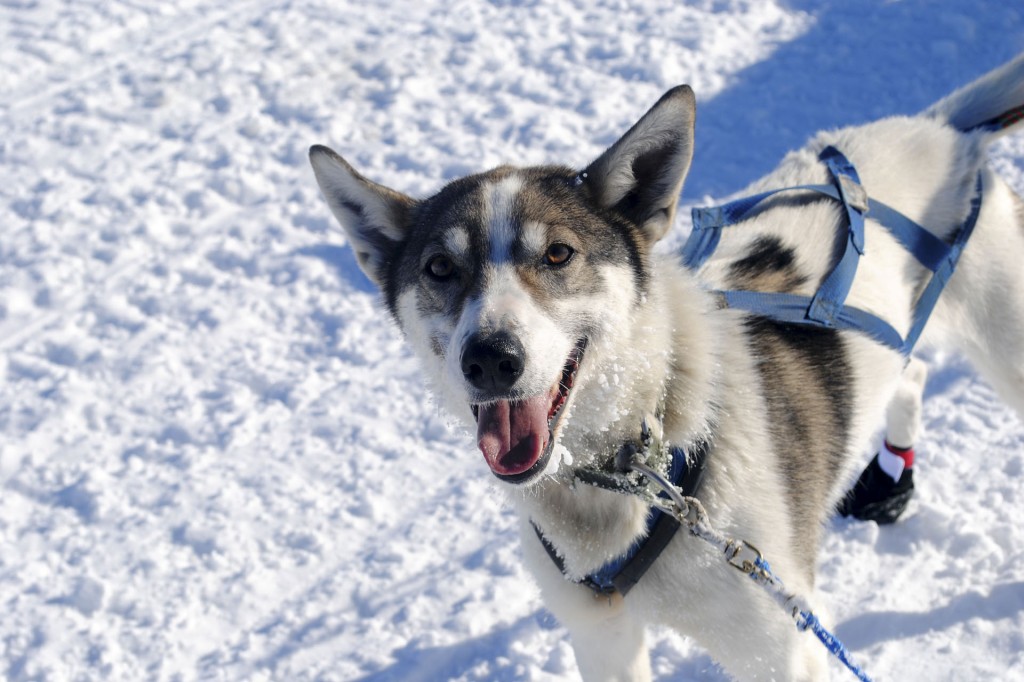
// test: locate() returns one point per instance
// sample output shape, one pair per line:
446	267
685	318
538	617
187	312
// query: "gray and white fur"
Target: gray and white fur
547	322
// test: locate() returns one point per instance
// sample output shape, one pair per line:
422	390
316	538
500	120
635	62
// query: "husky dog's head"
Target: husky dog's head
509	283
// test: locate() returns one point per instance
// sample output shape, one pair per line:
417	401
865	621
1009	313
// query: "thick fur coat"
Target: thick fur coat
546	320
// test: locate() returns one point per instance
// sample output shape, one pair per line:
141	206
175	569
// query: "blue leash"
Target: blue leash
743	556
810	621
806	620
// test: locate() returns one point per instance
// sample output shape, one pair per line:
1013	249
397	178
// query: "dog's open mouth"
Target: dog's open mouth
517	437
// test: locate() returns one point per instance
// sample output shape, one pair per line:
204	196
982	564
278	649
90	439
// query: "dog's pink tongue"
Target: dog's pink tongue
512	435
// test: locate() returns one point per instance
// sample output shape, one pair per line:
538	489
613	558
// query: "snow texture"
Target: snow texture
217	458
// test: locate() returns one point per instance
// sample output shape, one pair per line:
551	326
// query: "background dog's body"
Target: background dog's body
513	282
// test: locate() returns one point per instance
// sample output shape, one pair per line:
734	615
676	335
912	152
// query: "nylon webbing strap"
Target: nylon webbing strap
827	308
829	300
792	309
929	250
930	295
708	222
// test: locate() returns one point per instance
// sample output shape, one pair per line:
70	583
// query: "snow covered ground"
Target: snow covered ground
217	460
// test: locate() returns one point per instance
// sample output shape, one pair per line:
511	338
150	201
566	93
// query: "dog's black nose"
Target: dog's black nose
494	362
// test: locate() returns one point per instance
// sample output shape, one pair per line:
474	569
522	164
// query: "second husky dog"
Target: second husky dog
545	319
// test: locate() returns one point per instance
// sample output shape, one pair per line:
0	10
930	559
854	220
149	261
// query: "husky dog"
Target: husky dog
545	319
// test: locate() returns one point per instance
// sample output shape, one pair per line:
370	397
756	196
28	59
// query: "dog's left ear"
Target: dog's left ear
641	175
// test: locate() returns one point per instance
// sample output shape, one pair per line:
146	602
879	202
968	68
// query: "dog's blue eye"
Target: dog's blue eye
440	267
558	254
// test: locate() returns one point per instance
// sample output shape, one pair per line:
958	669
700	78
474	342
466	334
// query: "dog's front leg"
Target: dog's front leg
607	639
608	642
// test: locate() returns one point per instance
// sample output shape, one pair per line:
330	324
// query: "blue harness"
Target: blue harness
826	309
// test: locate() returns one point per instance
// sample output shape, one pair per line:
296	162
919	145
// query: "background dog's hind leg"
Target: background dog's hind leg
884	488
903	414
983	306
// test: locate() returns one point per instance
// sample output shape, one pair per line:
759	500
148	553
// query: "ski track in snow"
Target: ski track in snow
217	460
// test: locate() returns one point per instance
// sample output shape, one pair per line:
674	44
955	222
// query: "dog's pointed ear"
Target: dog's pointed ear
374	217
641	175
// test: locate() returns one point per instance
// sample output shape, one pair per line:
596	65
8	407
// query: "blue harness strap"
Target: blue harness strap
794	309
943	271
827	308
829	300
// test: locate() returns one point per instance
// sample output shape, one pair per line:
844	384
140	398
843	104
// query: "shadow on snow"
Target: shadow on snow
859	61
1004	601
415	663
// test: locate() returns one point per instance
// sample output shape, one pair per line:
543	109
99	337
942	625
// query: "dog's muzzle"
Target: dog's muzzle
517	436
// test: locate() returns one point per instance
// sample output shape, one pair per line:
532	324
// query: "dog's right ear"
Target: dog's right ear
373	216
641	175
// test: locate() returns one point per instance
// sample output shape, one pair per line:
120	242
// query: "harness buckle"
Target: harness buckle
854	193
746	558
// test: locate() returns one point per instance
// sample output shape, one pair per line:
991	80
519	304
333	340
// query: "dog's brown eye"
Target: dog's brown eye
558	254
440	268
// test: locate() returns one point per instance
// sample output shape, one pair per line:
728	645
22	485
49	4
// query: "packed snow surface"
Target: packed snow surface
218	460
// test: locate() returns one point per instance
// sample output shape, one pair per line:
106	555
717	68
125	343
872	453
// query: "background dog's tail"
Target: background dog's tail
994	103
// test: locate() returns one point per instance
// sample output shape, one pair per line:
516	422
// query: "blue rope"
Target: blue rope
737	553
806	620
